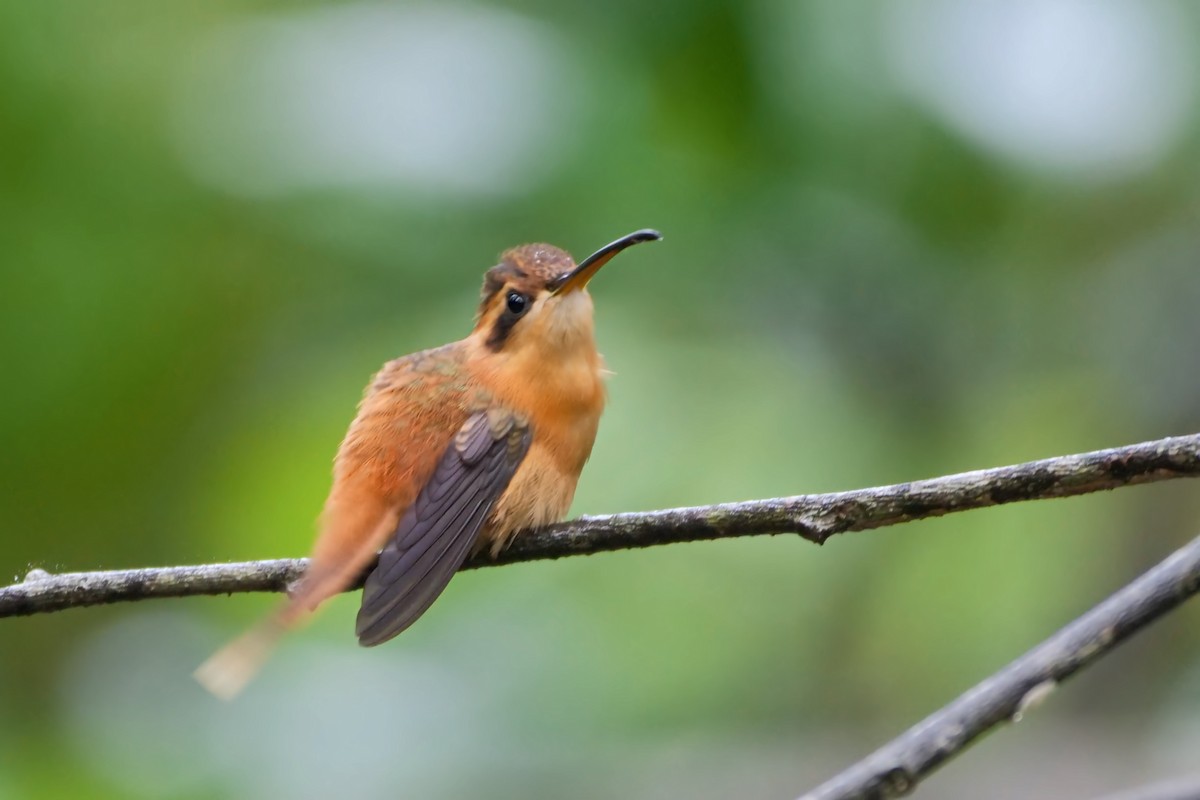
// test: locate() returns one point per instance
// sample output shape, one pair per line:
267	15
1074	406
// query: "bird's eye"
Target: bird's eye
517	303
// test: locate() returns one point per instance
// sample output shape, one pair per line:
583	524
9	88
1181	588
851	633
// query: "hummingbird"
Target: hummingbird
454	450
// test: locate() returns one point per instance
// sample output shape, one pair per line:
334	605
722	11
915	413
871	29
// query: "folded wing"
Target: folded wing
435	535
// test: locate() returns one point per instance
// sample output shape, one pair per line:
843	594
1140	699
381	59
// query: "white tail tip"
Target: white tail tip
227	672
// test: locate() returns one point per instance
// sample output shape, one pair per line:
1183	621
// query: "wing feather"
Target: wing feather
437	531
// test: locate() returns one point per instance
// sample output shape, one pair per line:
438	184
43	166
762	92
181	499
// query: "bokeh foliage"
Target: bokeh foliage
856	287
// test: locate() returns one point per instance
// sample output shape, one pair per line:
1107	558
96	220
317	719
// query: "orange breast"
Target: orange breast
563	400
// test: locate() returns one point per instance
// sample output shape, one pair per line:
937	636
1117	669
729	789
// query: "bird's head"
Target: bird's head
535	300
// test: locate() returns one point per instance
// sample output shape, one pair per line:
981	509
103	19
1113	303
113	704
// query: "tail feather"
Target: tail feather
227	671
347	544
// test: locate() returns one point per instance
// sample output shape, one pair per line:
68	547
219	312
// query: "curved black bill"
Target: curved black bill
579	277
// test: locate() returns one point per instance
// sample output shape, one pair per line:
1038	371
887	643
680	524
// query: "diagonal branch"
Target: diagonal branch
814	517
895	769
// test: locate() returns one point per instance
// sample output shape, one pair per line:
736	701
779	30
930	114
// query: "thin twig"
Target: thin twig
896	768
814	517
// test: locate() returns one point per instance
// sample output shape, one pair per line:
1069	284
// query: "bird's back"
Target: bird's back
408	416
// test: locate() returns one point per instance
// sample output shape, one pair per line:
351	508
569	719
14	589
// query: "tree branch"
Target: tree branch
814	517
896	768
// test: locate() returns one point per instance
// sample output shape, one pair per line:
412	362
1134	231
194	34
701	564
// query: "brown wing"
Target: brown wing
435	534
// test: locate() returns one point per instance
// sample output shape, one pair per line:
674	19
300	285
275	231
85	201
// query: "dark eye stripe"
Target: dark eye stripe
515	306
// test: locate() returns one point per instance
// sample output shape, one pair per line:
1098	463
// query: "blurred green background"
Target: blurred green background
902	239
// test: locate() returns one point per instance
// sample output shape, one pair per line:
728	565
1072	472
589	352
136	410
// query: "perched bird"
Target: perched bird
453	451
